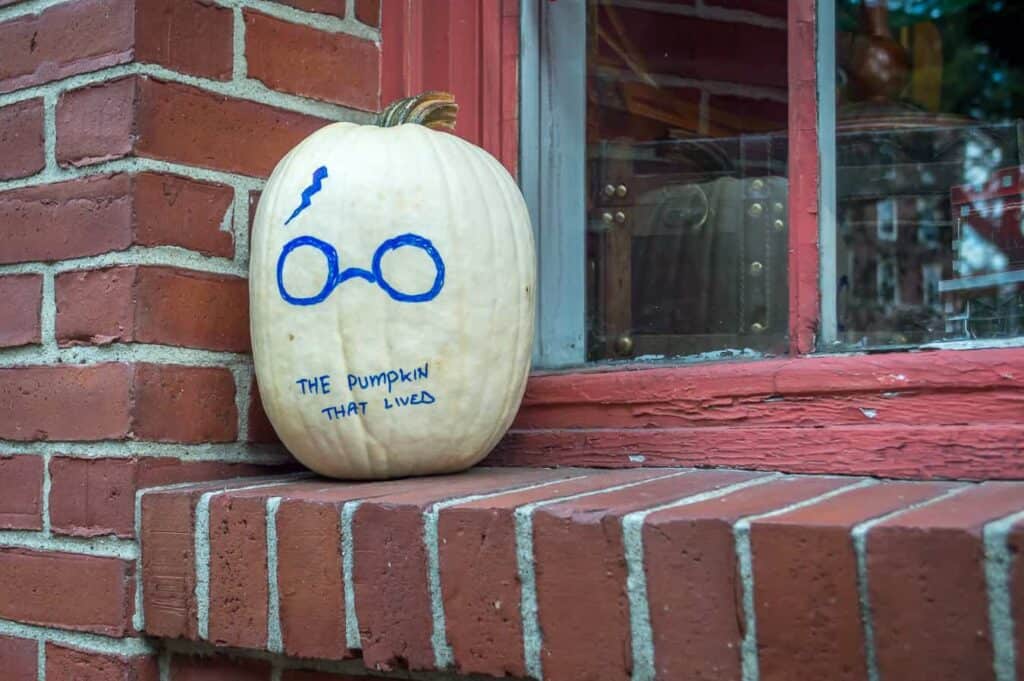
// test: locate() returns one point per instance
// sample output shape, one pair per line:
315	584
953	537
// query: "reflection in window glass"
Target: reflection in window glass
686	175
929	97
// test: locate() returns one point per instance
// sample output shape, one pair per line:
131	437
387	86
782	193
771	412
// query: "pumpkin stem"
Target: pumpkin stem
434	109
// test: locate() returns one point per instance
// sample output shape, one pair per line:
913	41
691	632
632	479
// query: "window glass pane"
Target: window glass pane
686	177
928	151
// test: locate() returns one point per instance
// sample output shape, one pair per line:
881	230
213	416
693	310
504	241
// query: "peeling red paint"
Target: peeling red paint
984	452
948	413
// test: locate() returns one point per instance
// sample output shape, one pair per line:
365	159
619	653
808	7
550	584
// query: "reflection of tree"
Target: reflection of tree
981	46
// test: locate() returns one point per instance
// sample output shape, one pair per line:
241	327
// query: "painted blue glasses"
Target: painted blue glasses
336	276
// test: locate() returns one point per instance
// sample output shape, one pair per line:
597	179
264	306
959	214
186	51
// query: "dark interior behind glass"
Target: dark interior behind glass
686	173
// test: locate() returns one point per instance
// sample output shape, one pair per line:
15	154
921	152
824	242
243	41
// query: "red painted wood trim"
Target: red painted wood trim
955	414
467	47
804	174
908	452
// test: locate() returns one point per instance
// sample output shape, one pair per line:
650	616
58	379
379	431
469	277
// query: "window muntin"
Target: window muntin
927	99
686	189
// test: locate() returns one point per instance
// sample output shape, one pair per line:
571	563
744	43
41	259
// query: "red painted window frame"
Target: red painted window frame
923	414
467	47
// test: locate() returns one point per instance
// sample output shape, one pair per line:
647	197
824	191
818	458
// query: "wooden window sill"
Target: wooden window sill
917	415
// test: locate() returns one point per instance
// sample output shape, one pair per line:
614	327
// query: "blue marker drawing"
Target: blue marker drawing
307	194
336	276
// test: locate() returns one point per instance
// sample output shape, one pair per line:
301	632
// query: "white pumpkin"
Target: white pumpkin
392	289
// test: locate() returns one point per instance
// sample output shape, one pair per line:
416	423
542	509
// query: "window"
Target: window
668	182
658	163
924	101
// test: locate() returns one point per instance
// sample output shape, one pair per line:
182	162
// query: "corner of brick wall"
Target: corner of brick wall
133	134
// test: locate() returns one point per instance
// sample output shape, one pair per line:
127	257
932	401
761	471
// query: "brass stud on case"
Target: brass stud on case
624	345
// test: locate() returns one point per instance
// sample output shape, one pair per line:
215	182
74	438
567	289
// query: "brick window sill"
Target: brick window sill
596	574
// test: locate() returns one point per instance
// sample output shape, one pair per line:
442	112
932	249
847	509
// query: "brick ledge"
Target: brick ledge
597	574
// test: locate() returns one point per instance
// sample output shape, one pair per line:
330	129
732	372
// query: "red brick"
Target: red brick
178	211
368	12
690	564
260	428
154	471
334	7
189	36
21	299
64	40
21	491
238	571
336	67
164	403
19	656
184	404
168	562
95	306
97	123
312	600
66	590
168	559
174	122
390	573
161	305
926	578
69	664
582	603
805	582
21	139
218	669
92	497
95	215
305	675
254	200
74	403
480	577
66	220
193	309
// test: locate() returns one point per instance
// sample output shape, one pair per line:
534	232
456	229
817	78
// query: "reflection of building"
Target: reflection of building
983	295
897	235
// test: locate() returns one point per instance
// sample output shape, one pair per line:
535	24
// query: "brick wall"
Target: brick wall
598	575
135	136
